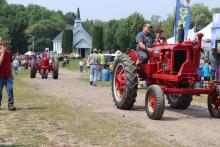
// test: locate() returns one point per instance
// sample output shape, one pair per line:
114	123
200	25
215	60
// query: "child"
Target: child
207	72
81	64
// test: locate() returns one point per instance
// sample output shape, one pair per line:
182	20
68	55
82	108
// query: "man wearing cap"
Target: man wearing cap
6	77
144	42
94	61
160	40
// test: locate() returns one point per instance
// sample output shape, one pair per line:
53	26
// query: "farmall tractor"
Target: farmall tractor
170	73
45	66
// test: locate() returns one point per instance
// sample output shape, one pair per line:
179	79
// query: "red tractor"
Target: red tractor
170	73
45	66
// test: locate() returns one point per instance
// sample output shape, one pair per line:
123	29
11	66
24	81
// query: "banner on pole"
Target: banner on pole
182	17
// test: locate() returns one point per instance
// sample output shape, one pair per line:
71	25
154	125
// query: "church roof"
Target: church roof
81	38
59	37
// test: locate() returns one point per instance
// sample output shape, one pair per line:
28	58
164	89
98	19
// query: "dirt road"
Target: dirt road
192	127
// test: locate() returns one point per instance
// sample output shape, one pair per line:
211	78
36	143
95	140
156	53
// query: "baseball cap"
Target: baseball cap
159	30
95	50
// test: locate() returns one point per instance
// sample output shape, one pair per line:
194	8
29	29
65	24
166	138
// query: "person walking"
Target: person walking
81	64
94	61
15	66
101	65
6	77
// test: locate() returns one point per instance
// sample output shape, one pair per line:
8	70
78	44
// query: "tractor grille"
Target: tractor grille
179	59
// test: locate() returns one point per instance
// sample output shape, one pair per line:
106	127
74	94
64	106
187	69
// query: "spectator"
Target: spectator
6	77
15	66
81	64
94	61
213	61
101	65
207	72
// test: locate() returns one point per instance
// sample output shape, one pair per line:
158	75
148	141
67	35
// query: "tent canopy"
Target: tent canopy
207	31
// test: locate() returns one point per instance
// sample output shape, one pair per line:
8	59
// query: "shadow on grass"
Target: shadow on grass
31	108
15	145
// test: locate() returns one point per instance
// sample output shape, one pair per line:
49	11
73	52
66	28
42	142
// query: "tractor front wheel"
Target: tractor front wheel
179	101
124	82
154	102
214	103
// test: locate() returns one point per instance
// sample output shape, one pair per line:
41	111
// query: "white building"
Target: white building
82	41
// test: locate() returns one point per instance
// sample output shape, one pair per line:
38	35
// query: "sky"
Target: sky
113	9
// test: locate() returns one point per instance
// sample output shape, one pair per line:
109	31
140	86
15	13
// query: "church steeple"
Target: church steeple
78	21
78	14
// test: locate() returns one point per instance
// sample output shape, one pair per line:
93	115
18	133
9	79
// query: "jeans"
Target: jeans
15	69
100	72
8	83
143	56
94	71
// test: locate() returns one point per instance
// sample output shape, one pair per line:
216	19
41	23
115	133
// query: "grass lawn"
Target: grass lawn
46	121
73	64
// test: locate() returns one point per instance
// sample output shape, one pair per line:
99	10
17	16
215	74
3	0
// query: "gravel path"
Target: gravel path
192	127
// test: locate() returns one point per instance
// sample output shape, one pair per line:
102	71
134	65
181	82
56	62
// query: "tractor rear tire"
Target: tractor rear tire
179	102
154	102
33	68
124	82
55	69
214	108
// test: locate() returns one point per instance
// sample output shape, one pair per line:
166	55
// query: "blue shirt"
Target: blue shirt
207	72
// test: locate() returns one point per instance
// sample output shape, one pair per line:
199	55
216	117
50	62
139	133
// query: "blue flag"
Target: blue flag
182	17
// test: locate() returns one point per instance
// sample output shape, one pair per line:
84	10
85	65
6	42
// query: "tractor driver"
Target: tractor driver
144	42
46	53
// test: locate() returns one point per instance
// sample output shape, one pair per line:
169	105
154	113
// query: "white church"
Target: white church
82	41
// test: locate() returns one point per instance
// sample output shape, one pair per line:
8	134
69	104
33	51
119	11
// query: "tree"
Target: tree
89	26
109	36
168	26
67	41
155	20
70	18
215	10
97	41
4	33
127	30
200	16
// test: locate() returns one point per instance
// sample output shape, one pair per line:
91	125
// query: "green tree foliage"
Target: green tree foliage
89	26
215	10
97	41
4	33
67	41
70	18
109	36
201	16
127	31
14	18
3	2
168	25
